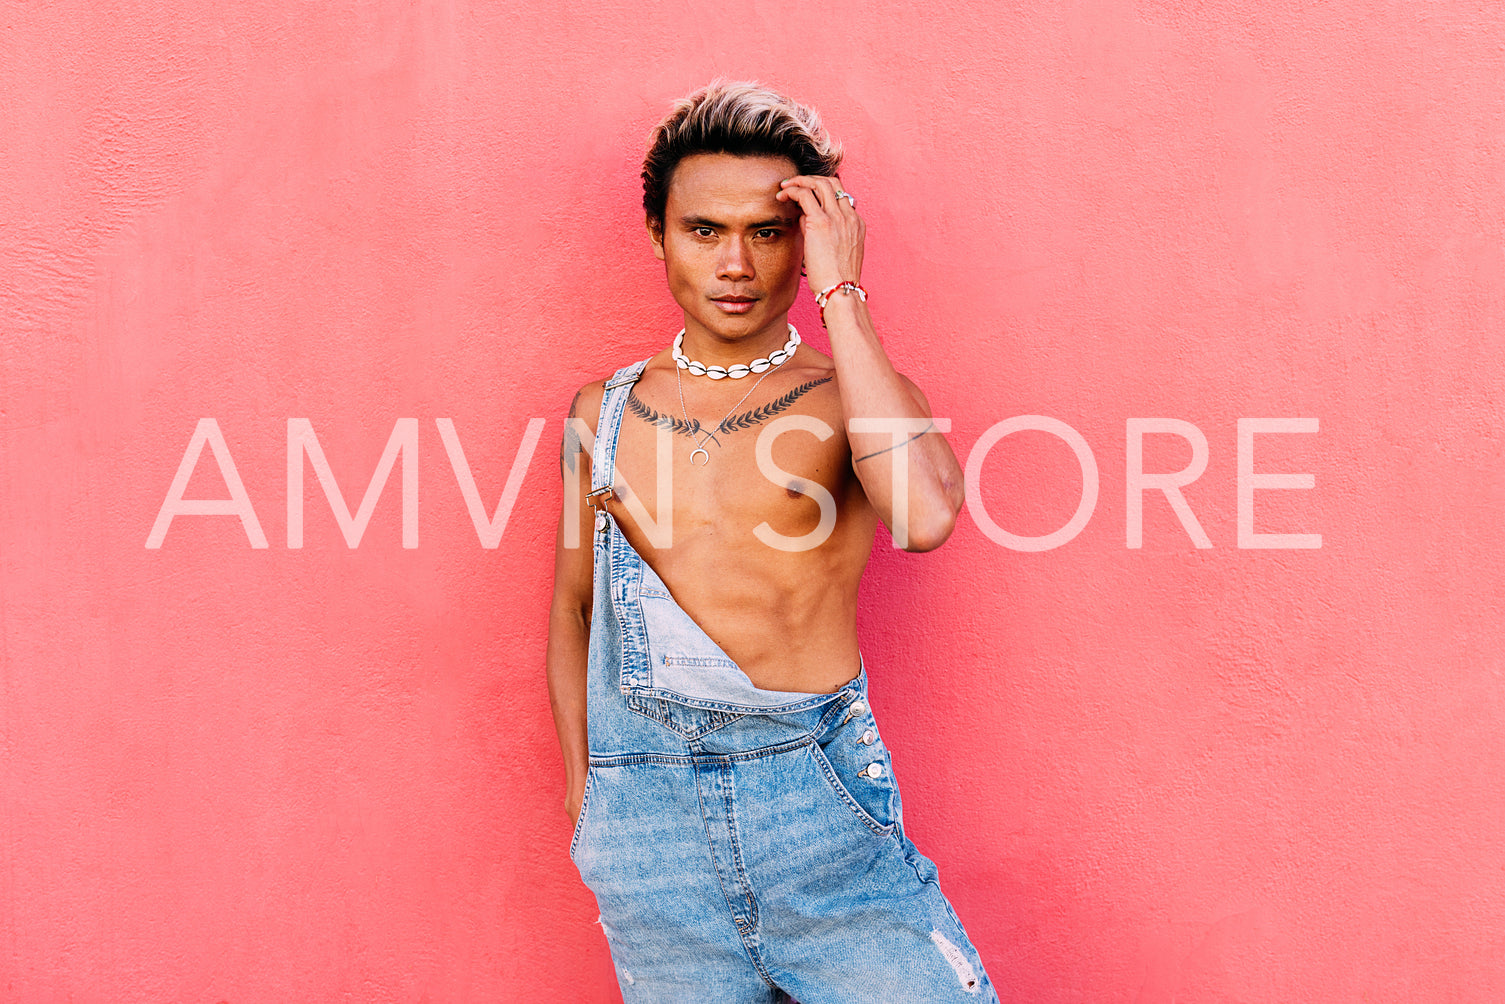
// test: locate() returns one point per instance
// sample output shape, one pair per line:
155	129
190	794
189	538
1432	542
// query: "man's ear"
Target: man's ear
656	235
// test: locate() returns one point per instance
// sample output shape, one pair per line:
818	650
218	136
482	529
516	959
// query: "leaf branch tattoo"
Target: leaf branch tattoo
657	418
570	448
746	420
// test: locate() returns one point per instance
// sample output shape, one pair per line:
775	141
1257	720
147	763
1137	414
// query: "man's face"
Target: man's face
731	251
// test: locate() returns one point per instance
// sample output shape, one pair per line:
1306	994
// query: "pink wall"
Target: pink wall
1148	775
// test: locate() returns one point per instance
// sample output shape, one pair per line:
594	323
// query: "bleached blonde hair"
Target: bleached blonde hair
737	117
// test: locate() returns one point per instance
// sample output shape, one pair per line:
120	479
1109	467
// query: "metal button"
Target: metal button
874	770
858	707
867	738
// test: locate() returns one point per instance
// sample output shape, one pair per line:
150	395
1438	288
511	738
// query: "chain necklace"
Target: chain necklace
787	353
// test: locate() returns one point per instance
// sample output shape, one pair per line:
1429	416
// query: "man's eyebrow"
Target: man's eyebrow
704	221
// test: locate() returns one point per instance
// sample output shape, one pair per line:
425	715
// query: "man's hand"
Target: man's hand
572	799
833	230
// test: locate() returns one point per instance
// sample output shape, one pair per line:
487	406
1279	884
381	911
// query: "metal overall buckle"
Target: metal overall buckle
597	500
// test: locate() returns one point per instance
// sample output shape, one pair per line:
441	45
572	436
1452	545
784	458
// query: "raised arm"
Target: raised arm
884	454
570	612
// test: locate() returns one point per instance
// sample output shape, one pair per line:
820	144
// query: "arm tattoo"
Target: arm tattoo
570	448
895	446
746	420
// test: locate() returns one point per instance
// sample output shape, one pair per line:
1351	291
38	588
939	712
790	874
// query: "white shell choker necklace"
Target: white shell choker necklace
739	370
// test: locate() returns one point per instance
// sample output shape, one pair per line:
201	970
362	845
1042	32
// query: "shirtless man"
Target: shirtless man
735	812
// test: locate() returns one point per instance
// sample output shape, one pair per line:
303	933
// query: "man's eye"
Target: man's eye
768	233
704	232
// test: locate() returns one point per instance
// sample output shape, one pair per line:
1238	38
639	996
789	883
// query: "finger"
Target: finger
825	189
813	185
840	201
833	197
805	197
844	201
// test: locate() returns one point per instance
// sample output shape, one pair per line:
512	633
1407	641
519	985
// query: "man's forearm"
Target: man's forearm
872	388
923	515
565	662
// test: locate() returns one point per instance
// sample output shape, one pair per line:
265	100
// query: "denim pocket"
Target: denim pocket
585	801
687	722
869	799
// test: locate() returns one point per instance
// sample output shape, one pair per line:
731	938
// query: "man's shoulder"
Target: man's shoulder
587	401
586	404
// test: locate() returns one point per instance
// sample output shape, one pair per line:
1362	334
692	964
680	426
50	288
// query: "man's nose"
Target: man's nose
735	262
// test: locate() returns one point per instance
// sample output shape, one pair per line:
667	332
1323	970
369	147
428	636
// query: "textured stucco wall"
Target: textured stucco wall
1148	775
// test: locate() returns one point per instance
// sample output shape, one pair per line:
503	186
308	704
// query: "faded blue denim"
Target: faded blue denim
743	844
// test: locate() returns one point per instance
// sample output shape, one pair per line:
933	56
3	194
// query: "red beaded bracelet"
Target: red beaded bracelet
825	294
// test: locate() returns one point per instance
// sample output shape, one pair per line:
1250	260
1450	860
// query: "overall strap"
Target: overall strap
604	453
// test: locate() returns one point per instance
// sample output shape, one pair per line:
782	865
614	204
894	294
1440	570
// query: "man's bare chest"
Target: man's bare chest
780	457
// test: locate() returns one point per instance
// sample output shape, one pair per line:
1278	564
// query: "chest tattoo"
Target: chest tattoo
732	423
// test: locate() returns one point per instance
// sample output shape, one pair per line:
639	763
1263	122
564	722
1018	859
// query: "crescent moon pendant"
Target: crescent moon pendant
701	450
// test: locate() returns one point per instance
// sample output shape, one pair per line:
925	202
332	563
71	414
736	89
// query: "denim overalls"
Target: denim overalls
742	844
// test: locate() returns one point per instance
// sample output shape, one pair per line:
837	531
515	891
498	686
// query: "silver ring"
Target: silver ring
846	195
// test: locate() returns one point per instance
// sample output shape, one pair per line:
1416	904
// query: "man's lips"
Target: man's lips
734	304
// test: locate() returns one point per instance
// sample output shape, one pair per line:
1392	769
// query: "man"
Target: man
735	812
